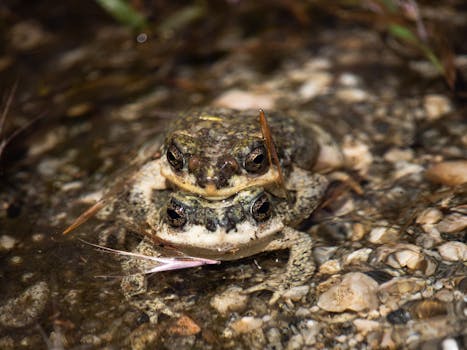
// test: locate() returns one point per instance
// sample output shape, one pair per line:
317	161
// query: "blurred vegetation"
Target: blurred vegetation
401	21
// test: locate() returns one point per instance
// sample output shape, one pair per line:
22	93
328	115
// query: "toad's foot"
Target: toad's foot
300	266
134	284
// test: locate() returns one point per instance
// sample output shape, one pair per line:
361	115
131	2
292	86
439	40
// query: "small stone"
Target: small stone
317	84
38	237
405	258
349	80
79	109
231	300
27	35
397	154
390	293
436	106
330	267
364	326
449	173
356	292
445	296
25	309
246	324
357	154
7	242
358	232
16	260
185	326
382	235
352	95
429	216
453	251
452	223
404	168
242	100
358	256
296	293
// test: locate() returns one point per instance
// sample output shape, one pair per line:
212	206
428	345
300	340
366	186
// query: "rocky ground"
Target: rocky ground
390	236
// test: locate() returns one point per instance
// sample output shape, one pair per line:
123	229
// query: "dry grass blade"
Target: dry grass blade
85	216
161	263
272	154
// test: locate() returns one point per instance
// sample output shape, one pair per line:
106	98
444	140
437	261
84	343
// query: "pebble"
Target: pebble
358	256
330	267
27	35
452	223
390	293
453	251
364	326
349	79
449	173
317	84
382	235
405	255
296	293
25	309
397	154
356	292
246	324
185	326
238	99
429	216
232	300
7	242
351	95
357	154
436	106
404	168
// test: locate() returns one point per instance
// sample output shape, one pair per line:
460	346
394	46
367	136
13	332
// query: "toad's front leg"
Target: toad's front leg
134	283
300	267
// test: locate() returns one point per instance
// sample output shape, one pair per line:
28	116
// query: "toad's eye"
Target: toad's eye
257	160
175	157
261	208
176	214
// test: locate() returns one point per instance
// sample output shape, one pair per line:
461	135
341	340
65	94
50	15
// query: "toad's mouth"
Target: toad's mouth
247	239
236	183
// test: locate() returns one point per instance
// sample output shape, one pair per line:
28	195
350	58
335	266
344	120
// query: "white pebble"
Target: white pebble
317	84
246	324
429	216
330	267
357	155
436	106
229	301
453	251
356	292
351	95
7	242
238	99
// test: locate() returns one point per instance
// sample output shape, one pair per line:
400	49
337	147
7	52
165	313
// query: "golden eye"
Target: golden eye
176	214
261	209
257	160
175	157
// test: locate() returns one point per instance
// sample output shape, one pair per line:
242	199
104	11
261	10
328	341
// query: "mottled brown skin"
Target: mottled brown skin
248	223
216	153
197	192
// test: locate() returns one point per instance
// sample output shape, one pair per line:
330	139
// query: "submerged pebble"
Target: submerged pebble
246	324
449	173
356	292
25	309
232	300
453	251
